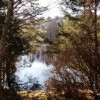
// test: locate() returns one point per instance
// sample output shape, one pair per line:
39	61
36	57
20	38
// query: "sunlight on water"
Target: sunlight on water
38	70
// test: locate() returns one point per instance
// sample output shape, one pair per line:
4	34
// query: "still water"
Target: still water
30	67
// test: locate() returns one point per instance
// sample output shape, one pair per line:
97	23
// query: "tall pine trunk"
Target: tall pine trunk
96	50
3	41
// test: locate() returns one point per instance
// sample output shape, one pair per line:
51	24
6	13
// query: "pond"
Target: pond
32	69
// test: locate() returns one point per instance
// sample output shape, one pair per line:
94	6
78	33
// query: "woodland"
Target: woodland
73	50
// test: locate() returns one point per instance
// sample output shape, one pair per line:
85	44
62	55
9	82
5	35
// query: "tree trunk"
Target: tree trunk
8	22
96	50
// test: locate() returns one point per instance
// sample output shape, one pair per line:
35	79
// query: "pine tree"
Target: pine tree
78	44
12	41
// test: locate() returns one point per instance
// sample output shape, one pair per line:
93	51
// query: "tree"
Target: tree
14	17
79	43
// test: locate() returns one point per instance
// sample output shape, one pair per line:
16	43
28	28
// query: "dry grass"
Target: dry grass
29	95
44	94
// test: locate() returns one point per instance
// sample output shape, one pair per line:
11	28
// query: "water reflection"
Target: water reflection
32	69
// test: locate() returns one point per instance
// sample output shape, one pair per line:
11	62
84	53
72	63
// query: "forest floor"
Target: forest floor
36	95
44	95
